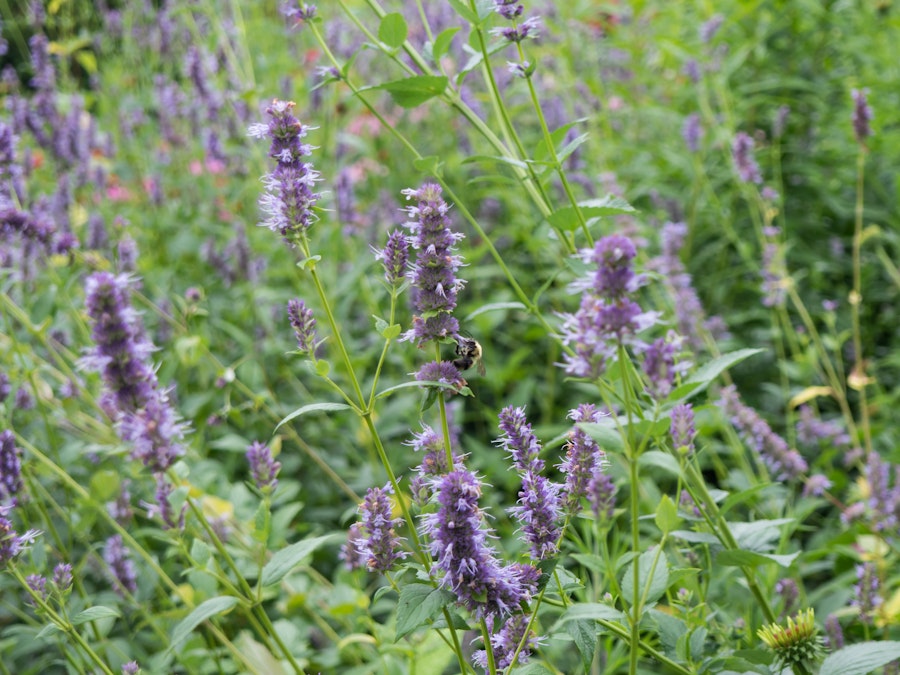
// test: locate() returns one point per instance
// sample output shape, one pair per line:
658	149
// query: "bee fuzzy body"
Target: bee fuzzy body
468	354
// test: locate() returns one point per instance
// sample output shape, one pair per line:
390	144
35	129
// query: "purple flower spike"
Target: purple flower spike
263	467
469	566
682	428
289	198
866	598
433	275
350	552
783	462
441	371
381	545
11	542
131	668
10	468
505	643
62	577
519	440
583	457
692	132
304	324
395	257
744	162
121	568
862	114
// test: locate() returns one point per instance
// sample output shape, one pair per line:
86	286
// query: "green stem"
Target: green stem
859	368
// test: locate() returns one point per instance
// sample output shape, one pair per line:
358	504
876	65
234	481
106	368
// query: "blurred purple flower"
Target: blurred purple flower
709	28
38	584
120	509
659	364
433	275
834	634
884	501
163	507
304	324
121	569
441	371
62	577
862	114
780	123
131	668
782	461
865	593
263	468
744	162
10	468
692	132
509	9
351	550
811	430
11	542
601	494
127	254
692	70
289	198
519	32
787	589
816	485
774	274
682	429
688	504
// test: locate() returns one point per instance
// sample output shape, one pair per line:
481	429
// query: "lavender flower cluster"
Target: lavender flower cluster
608	316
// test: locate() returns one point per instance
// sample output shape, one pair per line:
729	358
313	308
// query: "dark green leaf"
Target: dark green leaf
392	31
313	407
287	558
670	628
696	537
604	433
661	460
589	610
430	165
861	658
201	613
584	633
709	371
418	605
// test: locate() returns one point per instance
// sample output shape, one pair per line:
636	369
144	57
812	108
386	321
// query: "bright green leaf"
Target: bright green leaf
589	610
288	558
661	460
709	371
393	30
442	43
651	587
666	516
414	91
313	407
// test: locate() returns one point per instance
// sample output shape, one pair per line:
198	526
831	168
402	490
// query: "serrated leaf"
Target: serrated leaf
414	91
610	205
380	324
392	30
93	613
312	407
671	628
584	633
49	629
861	658
419	604
666	516
201	613
288	558
650	587
739	558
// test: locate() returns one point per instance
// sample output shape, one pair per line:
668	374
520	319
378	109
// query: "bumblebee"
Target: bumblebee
468	354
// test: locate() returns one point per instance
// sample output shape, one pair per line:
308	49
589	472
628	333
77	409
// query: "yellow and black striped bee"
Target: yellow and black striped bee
468	354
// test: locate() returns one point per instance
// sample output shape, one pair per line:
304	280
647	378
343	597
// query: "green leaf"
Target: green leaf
393	30
666	516
758	535
737	558
463	10
589	610
418	605
861	658
262	522
709	371
442	43
287	558
414	91
201	613
322	369
430	165
93	613
696	537
651	588
391	332
610	205
380	324
313	407
661	460
670	628
604	433
584	633
512	161
495	307
258	656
